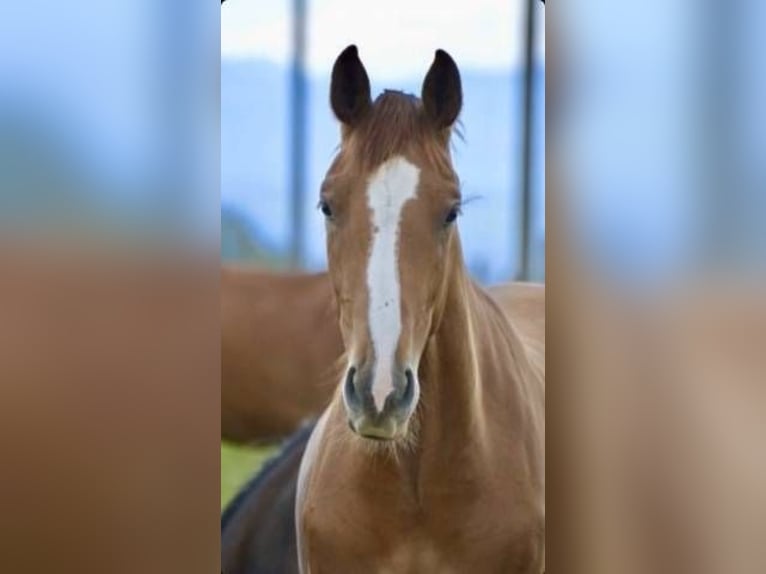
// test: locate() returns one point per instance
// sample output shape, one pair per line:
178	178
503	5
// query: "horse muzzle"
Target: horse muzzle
366	418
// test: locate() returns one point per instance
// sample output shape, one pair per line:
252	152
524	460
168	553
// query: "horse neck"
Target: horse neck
473	372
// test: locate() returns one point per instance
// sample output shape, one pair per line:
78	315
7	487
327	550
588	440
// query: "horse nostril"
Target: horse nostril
409	389
349	389
400	400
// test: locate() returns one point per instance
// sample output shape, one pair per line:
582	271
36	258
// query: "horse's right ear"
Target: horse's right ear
349	88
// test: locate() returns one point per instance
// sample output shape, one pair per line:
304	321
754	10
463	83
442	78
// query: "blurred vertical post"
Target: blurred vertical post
174	67
728	233
297	164
526	144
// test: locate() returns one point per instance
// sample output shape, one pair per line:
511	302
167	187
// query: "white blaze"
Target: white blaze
390	188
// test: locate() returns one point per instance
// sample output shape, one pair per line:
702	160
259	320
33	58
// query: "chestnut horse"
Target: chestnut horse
430	457
280	341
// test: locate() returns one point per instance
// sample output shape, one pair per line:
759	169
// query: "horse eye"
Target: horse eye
452	215
325	208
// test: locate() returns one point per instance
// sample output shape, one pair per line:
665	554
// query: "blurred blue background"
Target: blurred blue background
396	42
109	118
661	142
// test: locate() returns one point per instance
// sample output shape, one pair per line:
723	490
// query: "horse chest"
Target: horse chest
373	551
416	556
386	535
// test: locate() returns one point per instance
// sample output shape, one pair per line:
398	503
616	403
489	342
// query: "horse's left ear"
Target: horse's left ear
442	92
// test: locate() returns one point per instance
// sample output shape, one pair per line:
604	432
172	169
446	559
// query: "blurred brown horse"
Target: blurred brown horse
280	343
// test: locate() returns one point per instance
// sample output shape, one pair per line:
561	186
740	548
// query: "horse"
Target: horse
258	526
279	342
278	330
430	456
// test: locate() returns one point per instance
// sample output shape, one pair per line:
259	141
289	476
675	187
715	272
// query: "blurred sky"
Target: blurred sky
397	37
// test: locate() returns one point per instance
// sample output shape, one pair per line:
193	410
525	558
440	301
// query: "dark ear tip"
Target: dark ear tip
444	57
349	51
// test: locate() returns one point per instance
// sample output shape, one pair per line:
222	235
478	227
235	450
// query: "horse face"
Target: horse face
390	200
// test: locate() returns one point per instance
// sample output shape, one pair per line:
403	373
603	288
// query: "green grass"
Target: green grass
238	465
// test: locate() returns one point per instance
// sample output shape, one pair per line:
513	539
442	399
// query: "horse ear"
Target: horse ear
349	88
442	92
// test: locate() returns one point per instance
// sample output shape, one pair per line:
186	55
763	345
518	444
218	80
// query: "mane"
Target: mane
297	439
396	125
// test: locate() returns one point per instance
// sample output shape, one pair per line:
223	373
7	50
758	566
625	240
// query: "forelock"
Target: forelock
396	126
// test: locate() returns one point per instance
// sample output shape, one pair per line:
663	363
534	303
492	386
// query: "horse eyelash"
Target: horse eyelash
469	200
